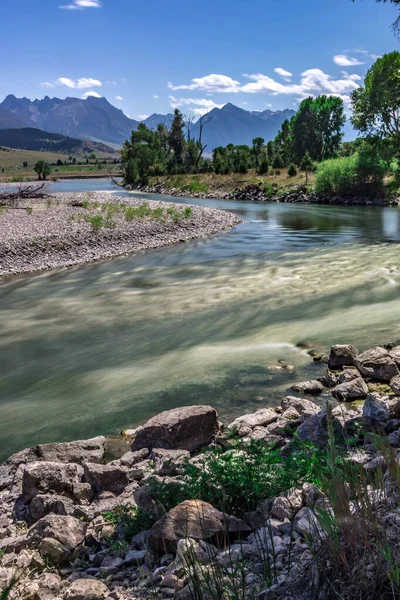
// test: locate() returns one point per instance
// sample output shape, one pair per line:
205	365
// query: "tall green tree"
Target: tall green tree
42	169
258	144
177	141
376	105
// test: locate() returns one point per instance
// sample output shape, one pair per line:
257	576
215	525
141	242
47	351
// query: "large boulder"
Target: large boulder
301	405
342	355
261	418
106	478
376	409
356	389
377	364
313	387
44	477
70	532
195	519
45	504
185	428
87	589
169	462
315	429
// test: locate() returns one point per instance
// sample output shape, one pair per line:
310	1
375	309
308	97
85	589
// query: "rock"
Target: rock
377	364
348	375
135	557
395	354
302	405
13	544
167	462
394	438
261	418
313	387
132	458
86	589
44	504
196	551
285	507
374	408
109	478
342	355
44	477
307	524
354	389
54	551
79	452
83	492
186	428
70	532
315	429
395	385
194	519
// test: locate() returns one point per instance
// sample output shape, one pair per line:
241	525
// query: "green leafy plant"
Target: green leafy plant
129	521
96	221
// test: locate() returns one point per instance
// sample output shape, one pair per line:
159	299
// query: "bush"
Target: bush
359	174
264	165
128	521
292	171
237	480
96	222
277	162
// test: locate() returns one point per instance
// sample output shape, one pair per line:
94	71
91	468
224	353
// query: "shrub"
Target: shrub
264	165
277	162
129	521
292	171
96	221
187	212
361	174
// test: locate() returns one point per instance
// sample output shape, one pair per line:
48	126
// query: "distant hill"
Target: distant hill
97	120
28	138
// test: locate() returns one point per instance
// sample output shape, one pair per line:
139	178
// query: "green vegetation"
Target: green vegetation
128	521
42	169
237	480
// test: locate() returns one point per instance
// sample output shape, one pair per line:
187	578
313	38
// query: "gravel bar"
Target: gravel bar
53	233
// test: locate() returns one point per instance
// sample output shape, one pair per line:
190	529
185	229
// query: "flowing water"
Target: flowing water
101	347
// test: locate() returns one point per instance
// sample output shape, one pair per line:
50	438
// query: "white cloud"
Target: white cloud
202	105
155	96
351	76
283	72
81	4
79	84
210	83
143	117
119	98
346	61
91	93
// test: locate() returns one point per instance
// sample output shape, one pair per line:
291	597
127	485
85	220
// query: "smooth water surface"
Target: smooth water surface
101	347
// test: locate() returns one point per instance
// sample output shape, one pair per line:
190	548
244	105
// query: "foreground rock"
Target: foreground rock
377	364
186	428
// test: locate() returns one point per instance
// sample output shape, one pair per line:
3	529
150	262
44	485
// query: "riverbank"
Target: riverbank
259	192
71	229
250	509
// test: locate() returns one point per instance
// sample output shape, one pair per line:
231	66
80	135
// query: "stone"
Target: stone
83	492
376	409
354	389
395	385
132	458
194	519
302	405
394	438
70	532
348	375
43	477
377	364
109	478
342	355
44	504
54	551
288	505
395	354
167	462
135	557
199	551
315	429
14	543
186	428
306	524
86	589
261	418
79	452
313	387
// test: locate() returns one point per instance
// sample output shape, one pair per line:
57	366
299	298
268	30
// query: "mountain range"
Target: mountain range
28	138
97	120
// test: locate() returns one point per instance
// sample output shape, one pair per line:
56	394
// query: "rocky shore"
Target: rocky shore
74	526
257	193
70	229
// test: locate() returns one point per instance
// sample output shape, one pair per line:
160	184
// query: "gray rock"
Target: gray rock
288	505
44	504
342	355
186	428
395	354
70	532
43	477
190	550
374	408
109	478
132	458
54	551
79	452
315	429
86	589
261	418
394	438
135	557
313	387
377	364
307	524
354	389
348	375
167	462
302	405
395	385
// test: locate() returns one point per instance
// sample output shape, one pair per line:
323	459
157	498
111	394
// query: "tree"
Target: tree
59	162
42	169
258	144
376	106
177	140
278	163
264	163
306	165
317	128
292	171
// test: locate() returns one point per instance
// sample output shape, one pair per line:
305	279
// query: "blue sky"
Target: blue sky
150	57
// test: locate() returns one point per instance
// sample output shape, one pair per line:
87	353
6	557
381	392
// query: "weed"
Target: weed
29	210
96	221
187	212
129	521
196	187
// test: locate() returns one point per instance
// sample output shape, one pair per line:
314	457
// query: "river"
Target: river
102	347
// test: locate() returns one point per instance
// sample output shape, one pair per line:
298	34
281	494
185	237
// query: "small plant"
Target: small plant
196	187
129	521
187	212
29	210
96	221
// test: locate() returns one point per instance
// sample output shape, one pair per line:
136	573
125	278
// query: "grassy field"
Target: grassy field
12	169
210	182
